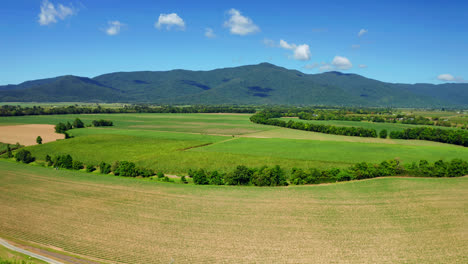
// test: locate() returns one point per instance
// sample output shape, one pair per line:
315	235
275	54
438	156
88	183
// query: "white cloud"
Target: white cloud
239	24
446	77
311	66
341	63
326	67
209	33
450	78
269	42
362	32
50	13
286	45
362	66
170	20
113	28
301	52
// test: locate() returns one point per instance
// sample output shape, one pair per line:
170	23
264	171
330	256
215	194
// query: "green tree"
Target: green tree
200	177
78	123
383	133
9	154
60	128
39	140
24	156
240	176
183	180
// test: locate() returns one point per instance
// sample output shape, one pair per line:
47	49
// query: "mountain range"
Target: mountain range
246	85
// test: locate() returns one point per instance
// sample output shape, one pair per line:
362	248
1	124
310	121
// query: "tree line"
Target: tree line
62	128
12	110
267	118
267	176
450	136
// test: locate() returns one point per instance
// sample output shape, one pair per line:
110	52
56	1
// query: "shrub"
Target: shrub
126	168
143	172
200	177
344	175
160	175
63	161
183	180
104	168
77	165
215	178
39	140
90	168
24	156
166	179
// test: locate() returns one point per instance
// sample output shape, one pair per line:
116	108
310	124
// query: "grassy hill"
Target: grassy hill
253	84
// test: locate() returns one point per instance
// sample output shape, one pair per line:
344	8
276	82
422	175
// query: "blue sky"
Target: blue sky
400	41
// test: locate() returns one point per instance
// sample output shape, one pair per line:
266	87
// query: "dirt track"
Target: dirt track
27	134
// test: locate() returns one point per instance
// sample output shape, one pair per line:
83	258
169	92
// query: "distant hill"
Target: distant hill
253	84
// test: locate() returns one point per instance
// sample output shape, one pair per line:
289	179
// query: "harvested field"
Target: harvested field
27	134
113	219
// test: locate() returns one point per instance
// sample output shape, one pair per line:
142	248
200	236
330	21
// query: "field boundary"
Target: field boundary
29	253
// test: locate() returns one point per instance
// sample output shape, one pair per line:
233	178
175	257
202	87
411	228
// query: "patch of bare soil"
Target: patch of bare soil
27	134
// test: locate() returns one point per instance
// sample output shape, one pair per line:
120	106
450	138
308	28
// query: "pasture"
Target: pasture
175	143
115	219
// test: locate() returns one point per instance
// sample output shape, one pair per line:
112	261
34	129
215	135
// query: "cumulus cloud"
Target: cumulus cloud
269	42
50	13
450	78
209	33
301	52
362	66
341	63
113	28
362	32
170	21
239	24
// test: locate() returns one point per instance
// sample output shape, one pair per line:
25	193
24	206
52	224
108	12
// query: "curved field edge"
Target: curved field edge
413	220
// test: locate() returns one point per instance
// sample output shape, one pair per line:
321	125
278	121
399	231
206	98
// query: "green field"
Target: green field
107	218
175	143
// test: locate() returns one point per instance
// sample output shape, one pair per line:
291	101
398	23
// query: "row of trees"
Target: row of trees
62	128
242	175
102	122
268	176
275	176
450	136
266	118
11	110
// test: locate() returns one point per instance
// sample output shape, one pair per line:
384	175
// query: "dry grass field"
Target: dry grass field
26	134
113	219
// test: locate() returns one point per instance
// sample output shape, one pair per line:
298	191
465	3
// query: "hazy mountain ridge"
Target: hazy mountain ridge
252	84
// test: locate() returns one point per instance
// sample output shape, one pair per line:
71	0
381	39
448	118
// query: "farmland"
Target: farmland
175	143
106	218
111	218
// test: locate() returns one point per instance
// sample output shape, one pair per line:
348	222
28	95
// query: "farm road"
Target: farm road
17	249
